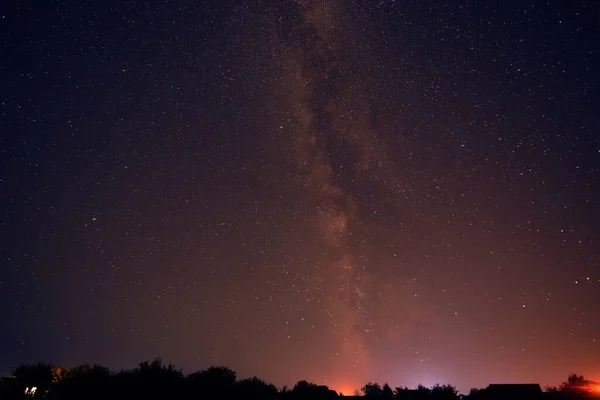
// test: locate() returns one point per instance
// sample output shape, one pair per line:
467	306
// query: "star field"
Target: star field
337	191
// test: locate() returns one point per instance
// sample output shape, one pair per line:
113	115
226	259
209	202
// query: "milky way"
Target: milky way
330	136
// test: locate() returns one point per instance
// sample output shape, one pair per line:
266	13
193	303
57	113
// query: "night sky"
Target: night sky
337	191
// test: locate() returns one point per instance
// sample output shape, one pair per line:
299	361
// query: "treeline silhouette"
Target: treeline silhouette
156	380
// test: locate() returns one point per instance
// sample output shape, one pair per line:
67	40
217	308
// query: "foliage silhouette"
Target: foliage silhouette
39	375
150	380
309	390
443	392
372	390
213	382
386	391
576	386
154	380
90	382
255	389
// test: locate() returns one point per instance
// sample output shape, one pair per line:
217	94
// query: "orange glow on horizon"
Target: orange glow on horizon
347	389
593	388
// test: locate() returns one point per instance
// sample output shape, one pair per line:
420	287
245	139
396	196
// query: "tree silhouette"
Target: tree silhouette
151	380
475	393
577	386
553	393
156	371
303	388
285	393
213	382
39	375
9	389
574	381
154	380
309	390
386	391
400	391
372	390
85	381
420	393
443	392
255	389
88	373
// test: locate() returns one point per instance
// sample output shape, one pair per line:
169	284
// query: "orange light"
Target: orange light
592	387
346	389
595	387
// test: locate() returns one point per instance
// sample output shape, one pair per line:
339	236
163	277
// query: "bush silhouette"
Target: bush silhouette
154	380
213	382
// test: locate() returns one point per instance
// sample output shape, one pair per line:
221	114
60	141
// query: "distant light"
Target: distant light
593	388
30	391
